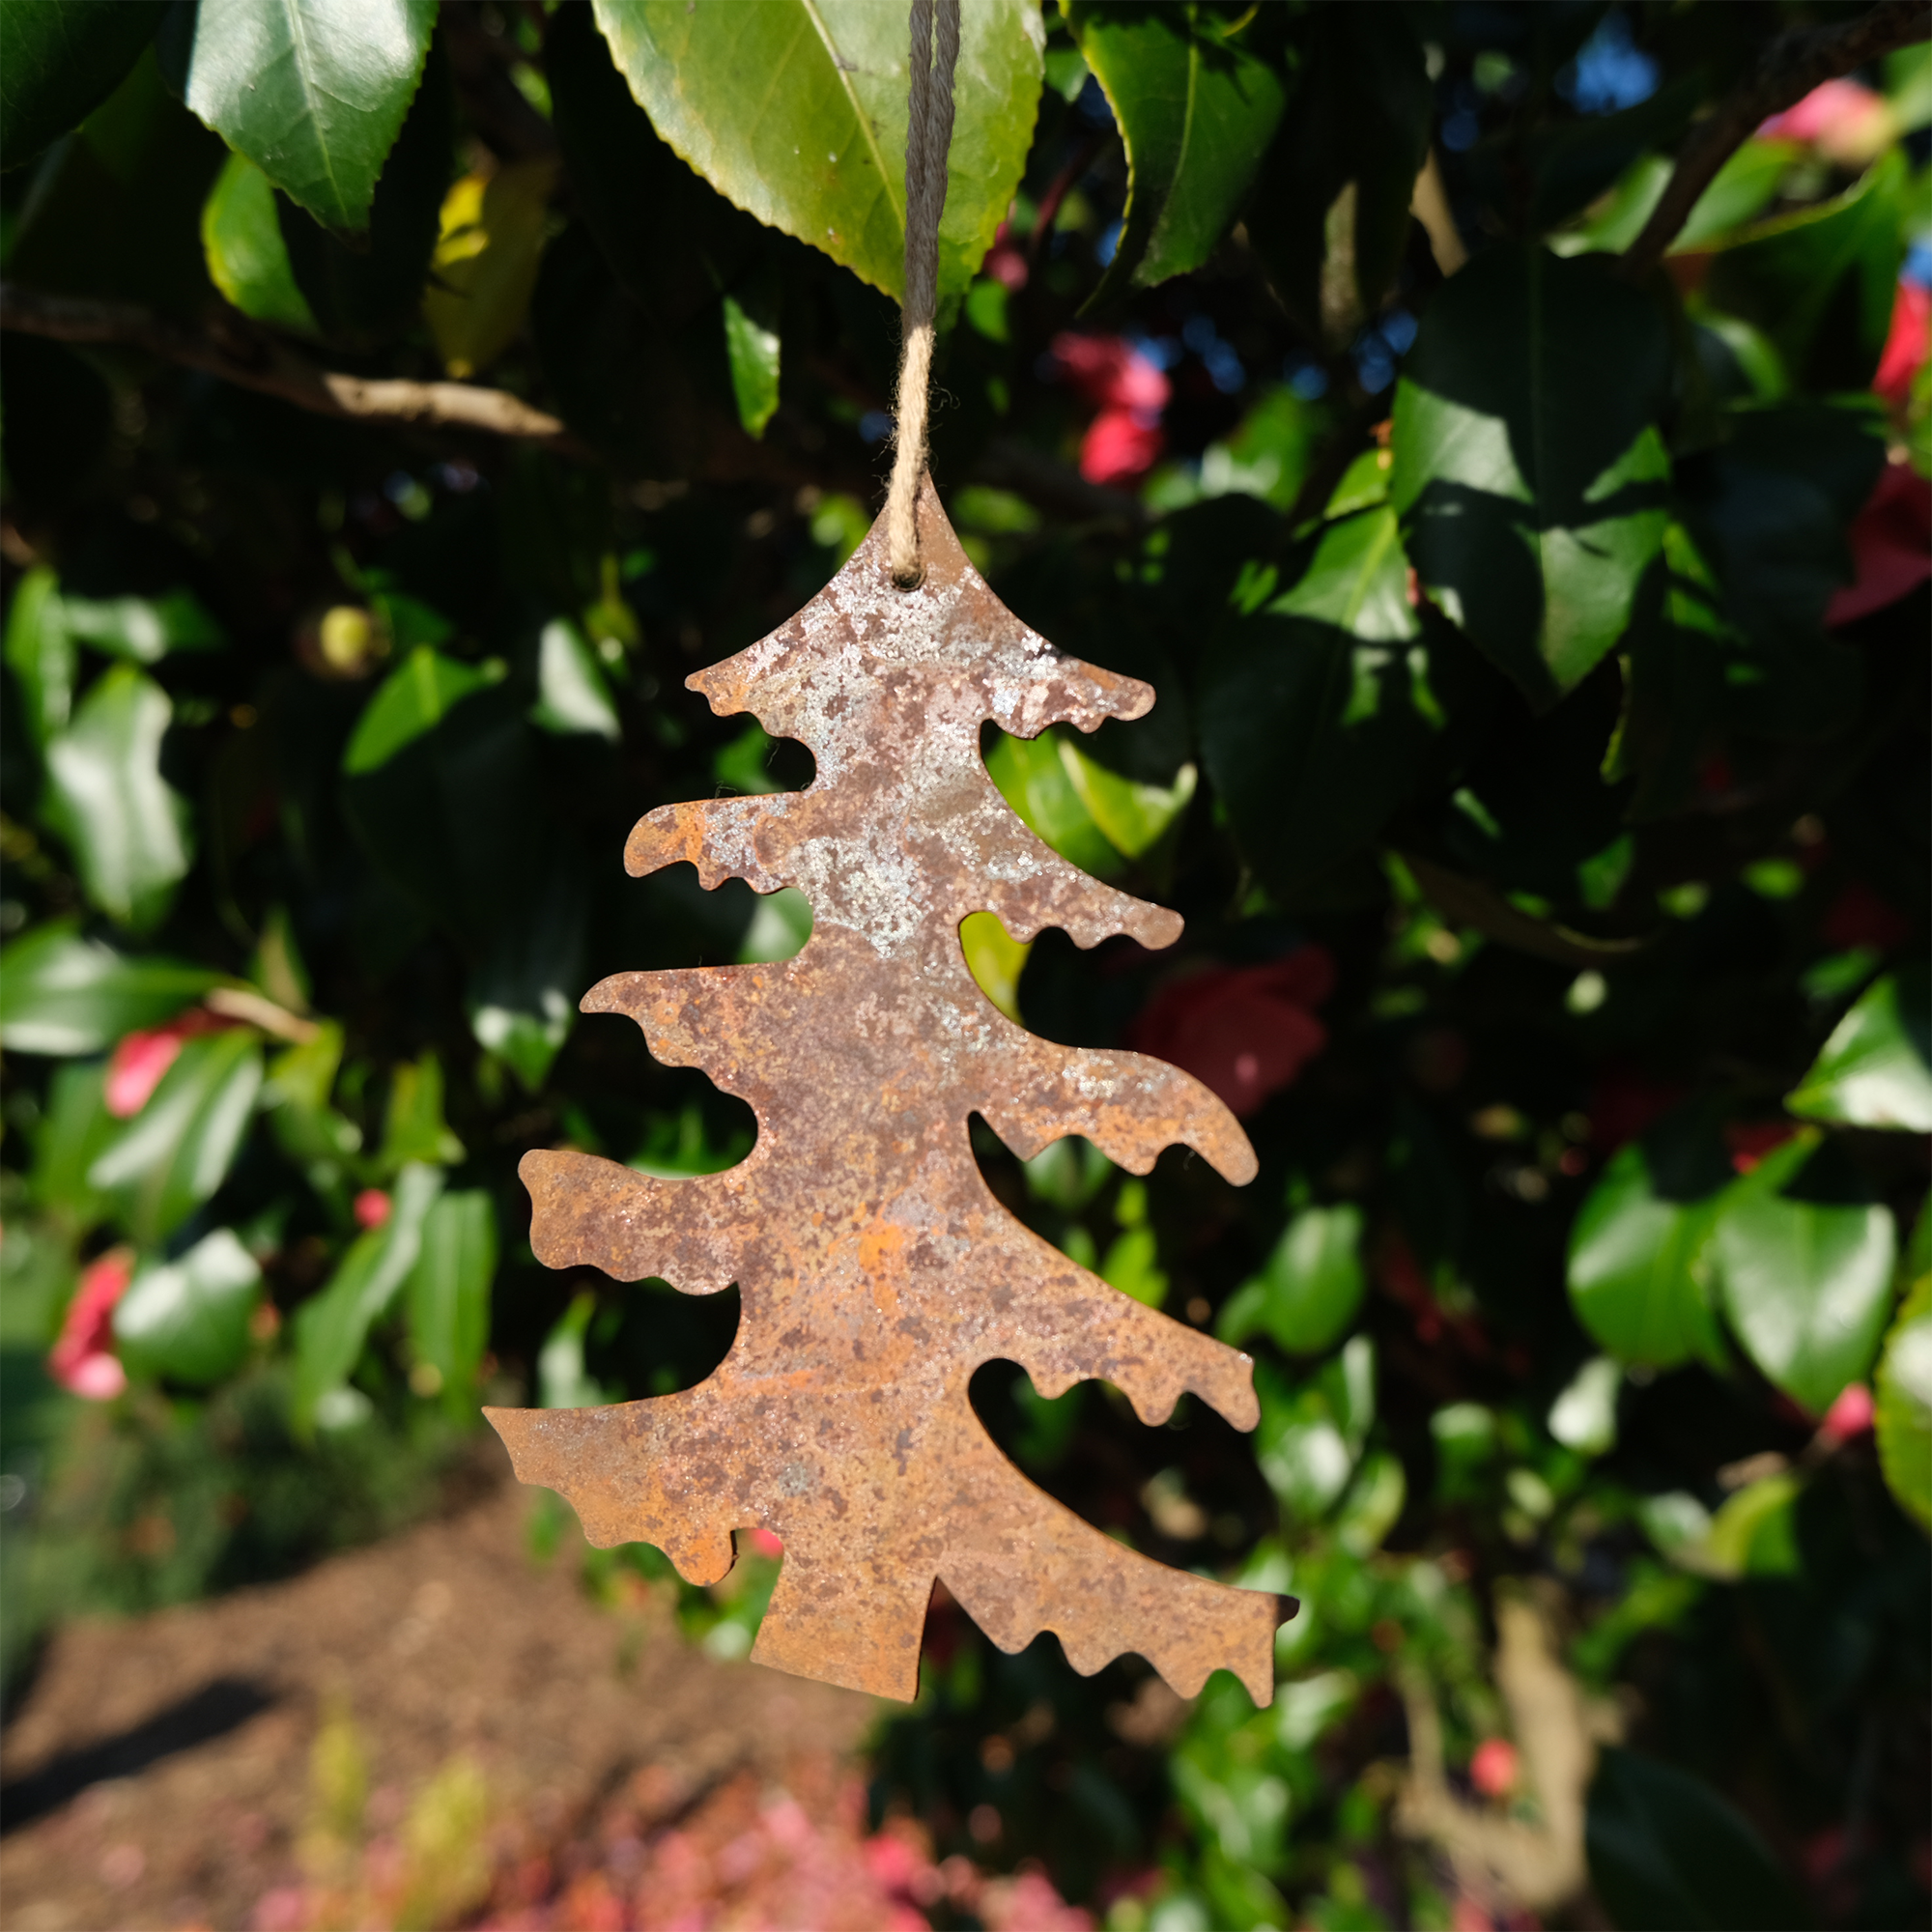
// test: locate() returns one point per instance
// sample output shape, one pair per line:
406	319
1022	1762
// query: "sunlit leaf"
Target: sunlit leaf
1307	1295
1903	1386
448	1294
63	994
753	351
143	630
247	260
188	1320
1876	1068
572	692
817	148
485	265
40	652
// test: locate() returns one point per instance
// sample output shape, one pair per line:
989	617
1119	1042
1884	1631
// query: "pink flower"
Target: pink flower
1124	440
1493	1768
1119	447
1005	261
1905	344
1244	1031
1850	1415
1749	1141
135	1066
1846	123
1892	546
371	1207
762	1542
83	1359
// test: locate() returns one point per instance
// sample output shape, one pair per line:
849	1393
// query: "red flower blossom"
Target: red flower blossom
1846	123
1493	1768
371	1207
1005	261
136	1065
1246	1032
1750	1141
1124	440
1892	546
83	1359
1119	447
1850	1415
1905	344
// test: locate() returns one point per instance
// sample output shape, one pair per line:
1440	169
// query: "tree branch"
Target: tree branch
253	360
1789	69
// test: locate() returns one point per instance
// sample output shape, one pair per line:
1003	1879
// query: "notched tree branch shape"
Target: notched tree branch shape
877	1269
1789	69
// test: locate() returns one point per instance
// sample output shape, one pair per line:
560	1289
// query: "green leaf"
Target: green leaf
1584	1417
1132	1264
448	1294
1876	1068
1529	473
73	1130
140	629
1304	1449
63	994
1132	817
996	960
414	1132
753	350
413	700
1308	1293
523	999
247	260
314	92
295	1099
817	147
177	1150
40	652
1805	1257
1820	282
562	1379
485	267
1357	580
1666	1854
1196	110
331	1327
1034	780
128	830
189	1321
59	61
572	694
1572	163
1637	1274
1904	1388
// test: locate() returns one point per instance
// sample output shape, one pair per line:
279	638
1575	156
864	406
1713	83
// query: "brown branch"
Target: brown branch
253	360
1789	69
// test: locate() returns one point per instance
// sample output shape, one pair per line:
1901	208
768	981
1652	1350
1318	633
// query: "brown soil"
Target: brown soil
158	1772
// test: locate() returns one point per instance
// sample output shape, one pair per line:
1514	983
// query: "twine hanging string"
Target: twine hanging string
928	135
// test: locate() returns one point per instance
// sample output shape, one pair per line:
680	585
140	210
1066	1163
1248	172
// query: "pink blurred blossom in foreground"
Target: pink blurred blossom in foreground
83	1359
135	1066
1846	123
1123	441
1850	1415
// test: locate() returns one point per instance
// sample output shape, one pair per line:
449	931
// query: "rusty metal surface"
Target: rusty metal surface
876	1269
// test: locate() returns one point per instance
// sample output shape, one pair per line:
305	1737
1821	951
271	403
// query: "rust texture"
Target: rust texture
877	1270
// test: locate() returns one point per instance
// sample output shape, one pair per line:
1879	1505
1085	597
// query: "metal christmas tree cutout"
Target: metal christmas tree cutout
877	1270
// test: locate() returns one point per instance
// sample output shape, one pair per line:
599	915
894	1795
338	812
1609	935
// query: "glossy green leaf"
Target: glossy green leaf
996	960
1572	163
1357	580
414	1132
1196	109
1307	1295
143	630
74	1128
1666	1854
40	652
1638	1272
188	1321
753	351
314	92
1132	1264
296	1101
485	267
448	1294
60	60
1903	1386
331	1327
63	994
817	148
1820	281
572	692
177	1150
413	700
1034	780
1584	1417
1304	1449
523	999
128	829
562	1382
1876	1068
1133	817
1805	1257
1529	473
247	260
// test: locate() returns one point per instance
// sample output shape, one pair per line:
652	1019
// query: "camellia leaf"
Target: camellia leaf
59	61
414	1132
63	994
1529	473
572	694
523	999
74	1127
413	699
331	1327
448	1294
1666	1852
1034	780
314	92
1639	1280
143	630
177	1150
1903	1386
753	351
128	828
1310	1288
485	265
1196	110
40	652
189	1321
247	260
817	147
1804	1257
1876	1068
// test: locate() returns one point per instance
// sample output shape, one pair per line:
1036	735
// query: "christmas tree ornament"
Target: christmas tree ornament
875	1267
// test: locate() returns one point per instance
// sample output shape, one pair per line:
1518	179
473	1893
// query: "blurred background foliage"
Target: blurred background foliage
1532	571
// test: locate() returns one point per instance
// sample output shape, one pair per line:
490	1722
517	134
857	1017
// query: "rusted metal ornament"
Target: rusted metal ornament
876	1269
